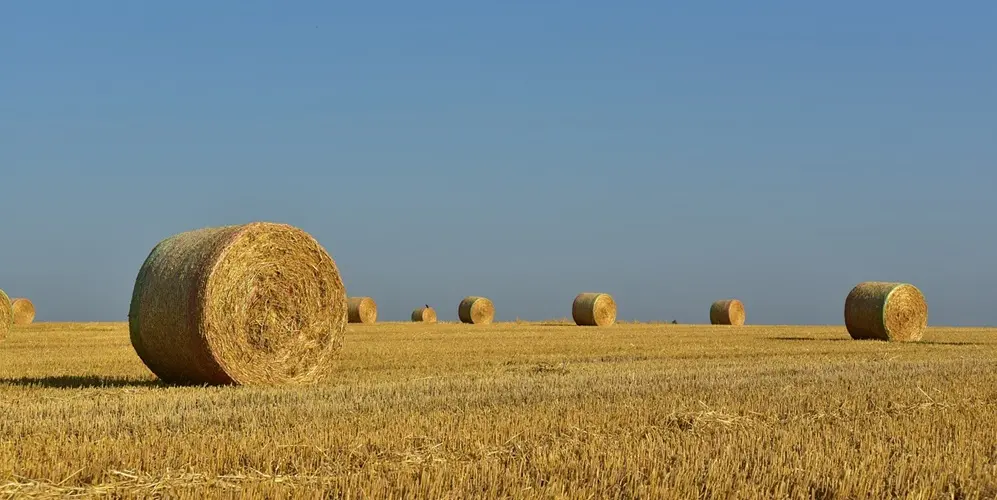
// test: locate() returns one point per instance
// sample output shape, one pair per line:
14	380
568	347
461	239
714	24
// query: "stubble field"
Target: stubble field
516	410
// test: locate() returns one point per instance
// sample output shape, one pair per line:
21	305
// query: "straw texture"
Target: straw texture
362	310
593	309
6	315
727	312
886	311
23	311
253	304
424	315
476	310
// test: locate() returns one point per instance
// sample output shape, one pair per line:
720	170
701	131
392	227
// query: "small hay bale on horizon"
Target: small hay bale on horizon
6	315
889	311
593	309
424	314
256	304
476	310
727	312
362	310
23	311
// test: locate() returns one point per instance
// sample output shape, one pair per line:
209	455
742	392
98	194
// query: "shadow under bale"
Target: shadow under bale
79	382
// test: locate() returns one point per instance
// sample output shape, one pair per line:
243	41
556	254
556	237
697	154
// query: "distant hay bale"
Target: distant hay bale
362	310
424	315
727	312
6	315
252	304
593	309
23	311
476	310
886	311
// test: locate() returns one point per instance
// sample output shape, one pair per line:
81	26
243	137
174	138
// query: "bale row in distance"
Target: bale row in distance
473	310
252	304
6	315
476	310
886	311
23	311
362	310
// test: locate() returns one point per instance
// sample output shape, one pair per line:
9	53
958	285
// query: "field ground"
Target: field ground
516	410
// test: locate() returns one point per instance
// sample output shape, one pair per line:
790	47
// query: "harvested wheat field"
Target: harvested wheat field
516	411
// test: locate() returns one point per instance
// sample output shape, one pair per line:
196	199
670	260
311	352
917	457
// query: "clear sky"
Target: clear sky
777	152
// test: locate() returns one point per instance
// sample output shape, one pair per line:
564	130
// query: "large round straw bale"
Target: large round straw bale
6	315
424	314
886	311
362	310
476	310
593	309
727	312
253	304
23	311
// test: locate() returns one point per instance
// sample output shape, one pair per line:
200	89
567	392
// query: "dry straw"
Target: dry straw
23	311
886	311
727	312
253	304
362	310
424	314
593	309
476	310
6	315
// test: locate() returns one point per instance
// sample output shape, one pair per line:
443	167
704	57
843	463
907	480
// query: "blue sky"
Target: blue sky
778	152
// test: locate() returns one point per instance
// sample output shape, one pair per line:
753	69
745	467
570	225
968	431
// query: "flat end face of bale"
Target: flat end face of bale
476	311
424	315
23	311
274	307
906	314
362	310
727	312
256	304
593	309
882	310
6	315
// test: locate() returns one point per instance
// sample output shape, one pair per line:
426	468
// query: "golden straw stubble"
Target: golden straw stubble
727	312
362	310
424	315
23	311
253	304
886	311
476	310
6	315
593	309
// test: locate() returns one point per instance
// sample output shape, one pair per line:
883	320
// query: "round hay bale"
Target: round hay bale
6	315
476	310
727	312
252	304
362	310
23	311
424	314
886	311
593	309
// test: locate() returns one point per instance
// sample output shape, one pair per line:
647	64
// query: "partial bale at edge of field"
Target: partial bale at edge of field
727	312
886	311
362	310
23	311
476	310
424	315
253	304
6	315
593	309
